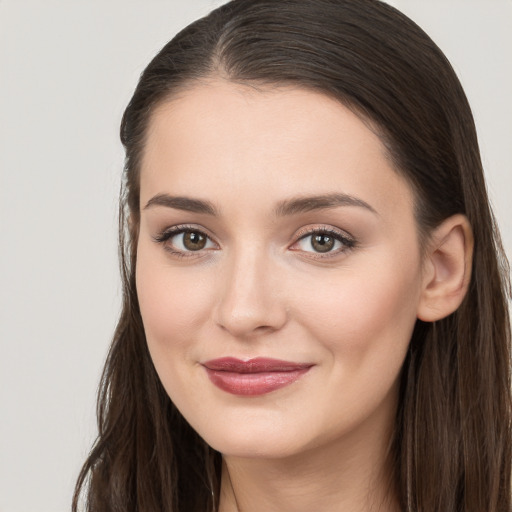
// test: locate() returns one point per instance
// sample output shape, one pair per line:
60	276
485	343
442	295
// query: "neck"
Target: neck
352	474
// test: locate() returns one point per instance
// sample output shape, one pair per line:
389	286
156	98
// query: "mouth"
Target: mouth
253	377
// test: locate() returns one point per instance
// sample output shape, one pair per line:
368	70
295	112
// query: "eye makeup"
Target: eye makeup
318	242
324	241
185	241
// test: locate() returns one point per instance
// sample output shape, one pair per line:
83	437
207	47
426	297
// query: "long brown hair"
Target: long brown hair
452	441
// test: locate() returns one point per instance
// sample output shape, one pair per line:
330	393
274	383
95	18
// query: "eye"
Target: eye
182	240
323	241
190	241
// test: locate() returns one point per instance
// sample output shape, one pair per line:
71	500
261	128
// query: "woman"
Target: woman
314	309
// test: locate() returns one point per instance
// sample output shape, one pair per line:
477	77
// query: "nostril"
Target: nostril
252	323
263	329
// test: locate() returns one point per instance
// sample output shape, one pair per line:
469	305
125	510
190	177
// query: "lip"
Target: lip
254	377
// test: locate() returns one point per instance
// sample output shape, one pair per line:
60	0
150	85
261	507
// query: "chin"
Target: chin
263	442
256	448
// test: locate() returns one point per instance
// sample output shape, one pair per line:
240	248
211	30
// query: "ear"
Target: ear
447	269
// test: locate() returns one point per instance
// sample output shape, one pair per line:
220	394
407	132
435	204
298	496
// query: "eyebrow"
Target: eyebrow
284	208
321	202
182	203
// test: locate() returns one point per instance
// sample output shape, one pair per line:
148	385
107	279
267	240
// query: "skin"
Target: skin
259	289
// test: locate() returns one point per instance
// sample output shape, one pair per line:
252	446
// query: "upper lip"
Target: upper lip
256	365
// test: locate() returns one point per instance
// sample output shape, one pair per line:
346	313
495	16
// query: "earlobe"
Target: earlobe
447	269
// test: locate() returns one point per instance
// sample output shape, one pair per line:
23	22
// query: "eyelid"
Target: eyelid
323	228
346	239
166	234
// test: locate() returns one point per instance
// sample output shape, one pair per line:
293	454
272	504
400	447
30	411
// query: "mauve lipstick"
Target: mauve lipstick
255	376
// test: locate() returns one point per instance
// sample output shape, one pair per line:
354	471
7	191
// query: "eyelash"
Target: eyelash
169	233
347	242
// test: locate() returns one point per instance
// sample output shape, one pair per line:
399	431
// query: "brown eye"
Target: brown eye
322	242
194	241
183	241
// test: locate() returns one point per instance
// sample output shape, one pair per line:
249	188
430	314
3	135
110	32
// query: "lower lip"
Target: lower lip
253	384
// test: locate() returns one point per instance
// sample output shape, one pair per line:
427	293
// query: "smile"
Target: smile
253	377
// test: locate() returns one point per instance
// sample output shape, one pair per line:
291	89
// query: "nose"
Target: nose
251	301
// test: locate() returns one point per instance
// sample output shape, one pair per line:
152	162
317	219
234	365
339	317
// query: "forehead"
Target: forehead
230	139
211	110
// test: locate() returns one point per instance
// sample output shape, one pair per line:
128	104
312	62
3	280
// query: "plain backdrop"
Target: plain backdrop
67	69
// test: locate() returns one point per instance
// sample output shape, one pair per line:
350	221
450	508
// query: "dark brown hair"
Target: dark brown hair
452	439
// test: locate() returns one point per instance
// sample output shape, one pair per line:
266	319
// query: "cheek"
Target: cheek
366	315
173	304
364	322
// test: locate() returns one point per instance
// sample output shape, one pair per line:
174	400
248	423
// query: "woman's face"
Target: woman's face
274	230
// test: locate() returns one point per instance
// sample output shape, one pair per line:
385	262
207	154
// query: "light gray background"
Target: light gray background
67	69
